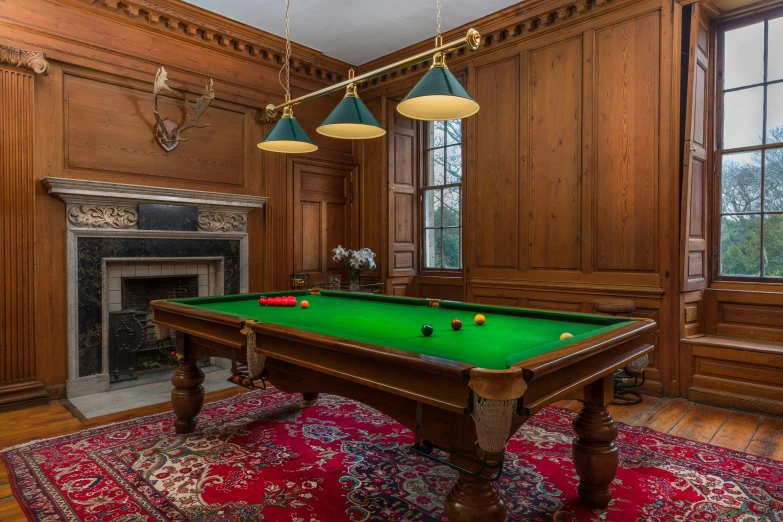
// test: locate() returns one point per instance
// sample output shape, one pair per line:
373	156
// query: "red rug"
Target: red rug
260	456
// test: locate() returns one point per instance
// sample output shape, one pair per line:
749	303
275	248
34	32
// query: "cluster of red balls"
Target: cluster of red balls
239	379
278	301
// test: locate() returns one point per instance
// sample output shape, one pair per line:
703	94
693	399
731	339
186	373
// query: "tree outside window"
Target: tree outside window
751	152
442	195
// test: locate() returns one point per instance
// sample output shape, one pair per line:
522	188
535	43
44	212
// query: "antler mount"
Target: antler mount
168	133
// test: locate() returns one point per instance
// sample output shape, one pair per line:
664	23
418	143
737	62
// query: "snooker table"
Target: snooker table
465	392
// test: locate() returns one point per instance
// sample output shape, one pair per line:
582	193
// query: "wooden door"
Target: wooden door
322	218
693	223
402	201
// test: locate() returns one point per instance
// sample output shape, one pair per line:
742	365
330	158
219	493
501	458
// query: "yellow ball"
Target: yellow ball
565	335
479	319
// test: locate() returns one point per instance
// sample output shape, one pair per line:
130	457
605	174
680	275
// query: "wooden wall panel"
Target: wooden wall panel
555	87
627	120
402	194
112	129
17	205
495	210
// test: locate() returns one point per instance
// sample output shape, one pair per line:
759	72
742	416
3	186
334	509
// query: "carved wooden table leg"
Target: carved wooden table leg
187	397
596	457
471	499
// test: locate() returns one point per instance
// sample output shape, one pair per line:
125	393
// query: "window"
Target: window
442	195
750	151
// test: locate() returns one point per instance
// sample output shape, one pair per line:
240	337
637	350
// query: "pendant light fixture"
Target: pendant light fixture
438	95
287	135
351	119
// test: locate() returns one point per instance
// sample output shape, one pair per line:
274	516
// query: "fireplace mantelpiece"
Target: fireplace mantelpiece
103	228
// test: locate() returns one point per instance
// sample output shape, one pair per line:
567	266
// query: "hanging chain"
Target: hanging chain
438	17
287	64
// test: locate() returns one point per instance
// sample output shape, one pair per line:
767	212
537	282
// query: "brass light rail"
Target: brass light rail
472	39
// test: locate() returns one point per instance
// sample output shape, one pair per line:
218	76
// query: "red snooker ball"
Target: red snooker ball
456	324
292	301
304	304
262	301
277	301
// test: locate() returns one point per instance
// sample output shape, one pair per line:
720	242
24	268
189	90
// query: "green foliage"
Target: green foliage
742	248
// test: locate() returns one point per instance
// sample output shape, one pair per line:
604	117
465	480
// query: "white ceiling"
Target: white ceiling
355	31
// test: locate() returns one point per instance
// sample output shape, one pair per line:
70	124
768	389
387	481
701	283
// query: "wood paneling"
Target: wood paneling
495	209
555	124
402	194
17	206
322	217
112	129
693	233
626	109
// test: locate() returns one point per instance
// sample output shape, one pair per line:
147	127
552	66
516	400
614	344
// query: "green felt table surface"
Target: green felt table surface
510	335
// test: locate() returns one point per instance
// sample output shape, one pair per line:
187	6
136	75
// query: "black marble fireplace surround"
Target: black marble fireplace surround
92	251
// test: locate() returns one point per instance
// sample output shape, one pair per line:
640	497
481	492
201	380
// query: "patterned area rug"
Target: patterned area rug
261	456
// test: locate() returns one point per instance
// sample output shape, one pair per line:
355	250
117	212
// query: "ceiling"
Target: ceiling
354	31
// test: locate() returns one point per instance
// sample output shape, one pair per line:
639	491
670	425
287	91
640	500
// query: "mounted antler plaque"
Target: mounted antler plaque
167	133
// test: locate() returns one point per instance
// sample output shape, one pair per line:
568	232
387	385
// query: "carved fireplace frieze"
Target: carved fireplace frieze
222	221
94	216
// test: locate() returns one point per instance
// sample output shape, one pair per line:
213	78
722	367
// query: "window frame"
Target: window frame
424	187
719	151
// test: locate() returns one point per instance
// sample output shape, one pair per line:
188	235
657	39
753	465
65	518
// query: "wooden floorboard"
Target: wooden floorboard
737	432
755	434
768	439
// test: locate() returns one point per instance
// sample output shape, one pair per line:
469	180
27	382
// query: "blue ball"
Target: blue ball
427	330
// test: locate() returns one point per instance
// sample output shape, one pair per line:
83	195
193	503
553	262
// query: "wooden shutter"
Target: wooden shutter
693	224
402	199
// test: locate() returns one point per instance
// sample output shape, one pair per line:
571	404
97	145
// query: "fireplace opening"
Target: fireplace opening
134	347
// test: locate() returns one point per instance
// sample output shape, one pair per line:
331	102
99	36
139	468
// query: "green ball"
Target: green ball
427	330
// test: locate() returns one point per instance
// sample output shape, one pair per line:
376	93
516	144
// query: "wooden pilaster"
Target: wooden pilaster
17	201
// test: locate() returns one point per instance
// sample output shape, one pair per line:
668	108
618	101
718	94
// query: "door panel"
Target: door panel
402	197
322	218
693	226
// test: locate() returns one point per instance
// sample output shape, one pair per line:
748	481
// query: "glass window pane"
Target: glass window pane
740	245
775	50
775	113
436	134
741	182
435	173
773	180
432	208
432	248
451	207
454	164
454	132
451	248
744	56
773	245
743	117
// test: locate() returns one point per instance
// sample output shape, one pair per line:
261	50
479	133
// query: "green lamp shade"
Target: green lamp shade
287	136
351	120
438	96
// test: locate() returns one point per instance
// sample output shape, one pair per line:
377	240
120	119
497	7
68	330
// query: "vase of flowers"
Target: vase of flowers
354	261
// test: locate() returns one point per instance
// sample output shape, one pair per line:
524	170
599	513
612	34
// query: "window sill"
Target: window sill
757	286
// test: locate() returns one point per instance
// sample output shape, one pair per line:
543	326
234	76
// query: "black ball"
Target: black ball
427	330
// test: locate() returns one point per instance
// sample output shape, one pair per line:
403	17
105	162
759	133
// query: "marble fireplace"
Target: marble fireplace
119	233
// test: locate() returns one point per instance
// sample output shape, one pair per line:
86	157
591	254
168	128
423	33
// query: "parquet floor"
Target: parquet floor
751	433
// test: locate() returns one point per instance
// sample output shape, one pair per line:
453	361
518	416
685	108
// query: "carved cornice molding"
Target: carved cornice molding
222	33
94	216
211	221
34	61
498	29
